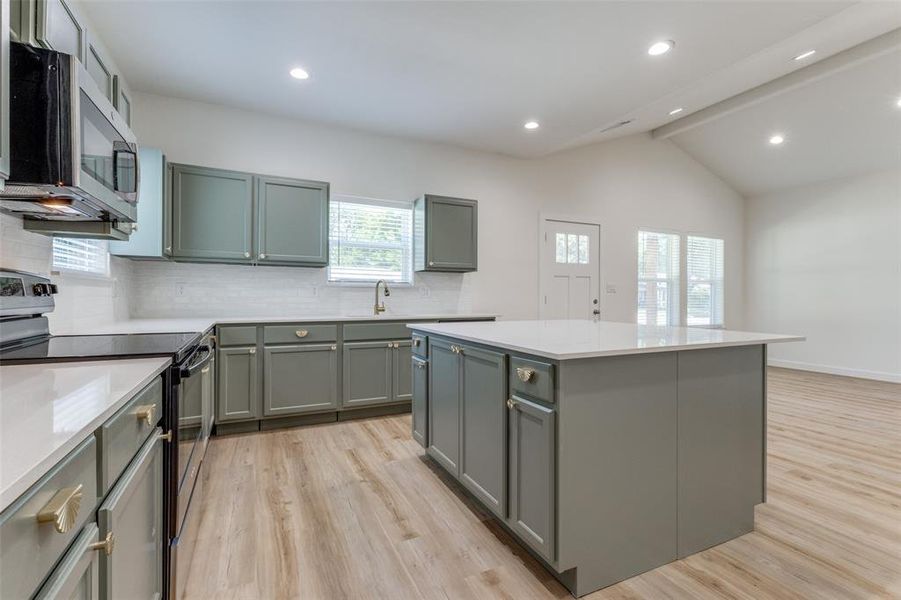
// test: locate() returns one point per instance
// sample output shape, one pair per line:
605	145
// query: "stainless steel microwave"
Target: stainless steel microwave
72	156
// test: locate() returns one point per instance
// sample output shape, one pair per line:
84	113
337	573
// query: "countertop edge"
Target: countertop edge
15	489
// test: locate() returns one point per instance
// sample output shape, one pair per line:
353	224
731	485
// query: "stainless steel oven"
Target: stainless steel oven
72	156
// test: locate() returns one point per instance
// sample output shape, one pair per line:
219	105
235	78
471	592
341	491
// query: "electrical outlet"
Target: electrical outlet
611	288
424	292
180	289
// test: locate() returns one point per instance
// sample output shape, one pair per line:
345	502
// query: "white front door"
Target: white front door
570	270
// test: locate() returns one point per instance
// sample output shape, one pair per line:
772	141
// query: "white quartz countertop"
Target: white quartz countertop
565	340
46	410
200	324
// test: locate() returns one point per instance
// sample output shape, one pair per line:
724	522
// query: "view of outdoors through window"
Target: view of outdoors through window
370	240
658	278
705	281
571	249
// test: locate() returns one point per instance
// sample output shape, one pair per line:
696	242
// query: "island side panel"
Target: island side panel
721	444
617	467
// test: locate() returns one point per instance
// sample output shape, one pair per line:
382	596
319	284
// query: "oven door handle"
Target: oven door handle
206	356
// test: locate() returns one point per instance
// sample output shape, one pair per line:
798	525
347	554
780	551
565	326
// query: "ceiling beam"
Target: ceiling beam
878	46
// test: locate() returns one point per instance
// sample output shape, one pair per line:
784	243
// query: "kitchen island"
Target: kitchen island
608	449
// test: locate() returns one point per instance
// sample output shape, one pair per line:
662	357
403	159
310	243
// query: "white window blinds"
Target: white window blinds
80	255
704	299
370	240
658	278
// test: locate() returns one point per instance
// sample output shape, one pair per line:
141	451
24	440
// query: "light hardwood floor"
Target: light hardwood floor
353	510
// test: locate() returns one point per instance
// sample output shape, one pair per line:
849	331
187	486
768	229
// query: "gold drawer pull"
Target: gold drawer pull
301	333
416	342
525	375
145	413
62	509
107	545
511	403
206	369
166	437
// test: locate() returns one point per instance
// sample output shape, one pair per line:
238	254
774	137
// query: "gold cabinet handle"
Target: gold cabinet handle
247	255
511	403
166	437
107	545
62	510
252	351
431	263
205	370
396	345
416	342
262	255
168	248
525	375
334	346
420	364
301	333
145	413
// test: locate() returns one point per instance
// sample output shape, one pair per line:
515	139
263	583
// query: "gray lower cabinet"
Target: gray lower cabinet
483	468
531	455
77	576
445	234
300	379
292	222
212	214
444	405
367	373
420	382
237	384
131	521
401	371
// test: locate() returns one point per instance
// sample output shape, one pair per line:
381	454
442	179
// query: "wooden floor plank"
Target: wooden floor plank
354	510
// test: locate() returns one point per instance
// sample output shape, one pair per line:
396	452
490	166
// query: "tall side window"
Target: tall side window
705	289
370	240
658	278
81	256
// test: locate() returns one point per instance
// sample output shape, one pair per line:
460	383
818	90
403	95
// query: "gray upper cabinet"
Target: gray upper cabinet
131	518
445	234
293	222
483	467
77	577
150	240
532	486
122	99
57	26
212	213
99	69
420	400
444	404
237	397
300	379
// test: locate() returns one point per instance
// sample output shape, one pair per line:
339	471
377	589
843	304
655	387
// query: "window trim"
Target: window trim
368	200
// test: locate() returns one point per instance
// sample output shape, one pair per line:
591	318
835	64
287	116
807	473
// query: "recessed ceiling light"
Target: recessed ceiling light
676	111
659	48
298	73
531	125
777	139
804	55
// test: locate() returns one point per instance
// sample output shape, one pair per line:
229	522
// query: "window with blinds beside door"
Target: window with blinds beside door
658	278
704	292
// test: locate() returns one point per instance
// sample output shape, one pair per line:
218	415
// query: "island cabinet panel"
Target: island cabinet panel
483	468
212	214
237	397
77	576
420	401
293	221
532	455
300	379
721	456
367	373
444	405
132	517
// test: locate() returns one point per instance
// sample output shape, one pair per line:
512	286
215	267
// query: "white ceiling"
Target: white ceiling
844	124
470	73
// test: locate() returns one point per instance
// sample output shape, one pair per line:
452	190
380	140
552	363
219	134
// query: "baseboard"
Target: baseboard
861	373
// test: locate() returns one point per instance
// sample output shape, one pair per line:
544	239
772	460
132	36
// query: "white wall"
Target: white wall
824	261
623	184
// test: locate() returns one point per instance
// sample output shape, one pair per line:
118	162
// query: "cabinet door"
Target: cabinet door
401	375
100	71
77	576
147	241
483	449
532	454
367	373
207	385
212	214
293	221
444	405
59	27
132	515
122	99
237	393
420	400
451	234
300	379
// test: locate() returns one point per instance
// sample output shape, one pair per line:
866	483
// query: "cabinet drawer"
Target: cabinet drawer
122	435
78	573
532	378
376	331
238	336
420	345
299	333
29	548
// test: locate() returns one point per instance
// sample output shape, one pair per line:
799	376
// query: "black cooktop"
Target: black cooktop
59	348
